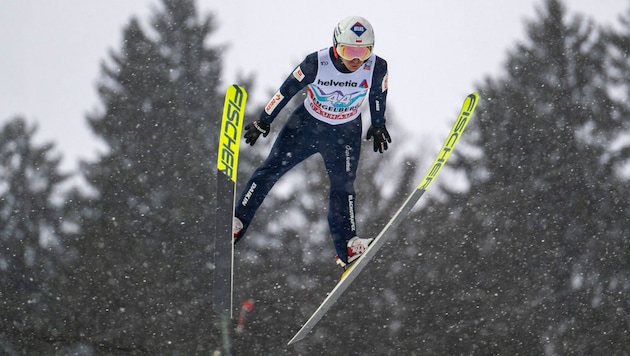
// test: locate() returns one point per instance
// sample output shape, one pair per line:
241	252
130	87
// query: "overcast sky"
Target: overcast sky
437	52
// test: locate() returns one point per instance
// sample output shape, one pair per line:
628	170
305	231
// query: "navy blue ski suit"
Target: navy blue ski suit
305	134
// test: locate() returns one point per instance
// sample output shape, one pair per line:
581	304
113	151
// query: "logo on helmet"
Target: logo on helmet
358	30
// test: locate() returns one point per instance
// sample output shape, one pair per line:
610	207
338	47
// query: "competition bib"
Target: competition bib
336	97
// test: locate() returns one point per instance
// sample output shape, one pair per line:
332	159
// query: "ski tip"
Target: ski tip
470	103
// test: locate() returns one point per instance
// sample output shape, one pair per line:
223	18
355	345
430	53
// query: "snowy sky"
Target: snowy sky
437	52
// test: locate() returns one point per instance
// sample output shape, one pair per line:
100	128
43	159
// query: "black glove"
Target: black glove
381	138
254	129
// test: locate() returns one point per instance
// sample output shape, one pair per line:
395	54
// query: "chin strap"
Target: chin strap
335	51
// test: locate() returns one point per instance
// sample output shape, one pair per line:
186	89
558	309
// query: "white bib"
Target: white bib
336	97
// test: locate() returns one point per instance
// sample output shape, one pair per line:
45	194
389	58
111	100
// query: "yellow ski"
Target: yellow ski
227	166
470	103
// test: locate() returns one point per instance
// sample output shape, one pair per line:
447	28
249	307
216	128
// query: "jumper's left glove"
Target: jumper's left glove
381	138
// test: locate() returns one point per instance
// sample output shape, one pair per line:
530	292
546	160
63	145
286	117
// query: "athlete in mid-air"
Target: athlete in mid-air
338	80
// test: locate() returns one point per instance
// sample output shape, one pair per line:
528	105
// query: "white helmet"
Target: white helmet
354	31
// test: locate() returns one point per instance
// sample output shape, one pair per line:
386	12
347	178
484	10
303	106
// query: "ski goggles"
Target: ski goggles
351	52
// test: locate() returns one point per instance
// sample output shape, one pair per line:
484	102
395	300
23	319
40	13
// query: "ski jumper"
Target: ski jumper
328	123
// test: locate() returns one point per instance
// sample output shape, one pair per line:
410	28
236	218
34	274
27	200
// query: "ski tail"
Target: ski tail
470	103
227	167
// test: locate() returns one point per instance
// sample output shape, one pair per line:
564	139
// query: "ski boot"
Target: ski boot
356	247
237	228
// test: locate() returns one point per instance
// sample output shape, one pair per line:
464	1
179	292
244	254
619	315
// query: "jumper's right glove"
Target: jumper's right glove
254	129
381	138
